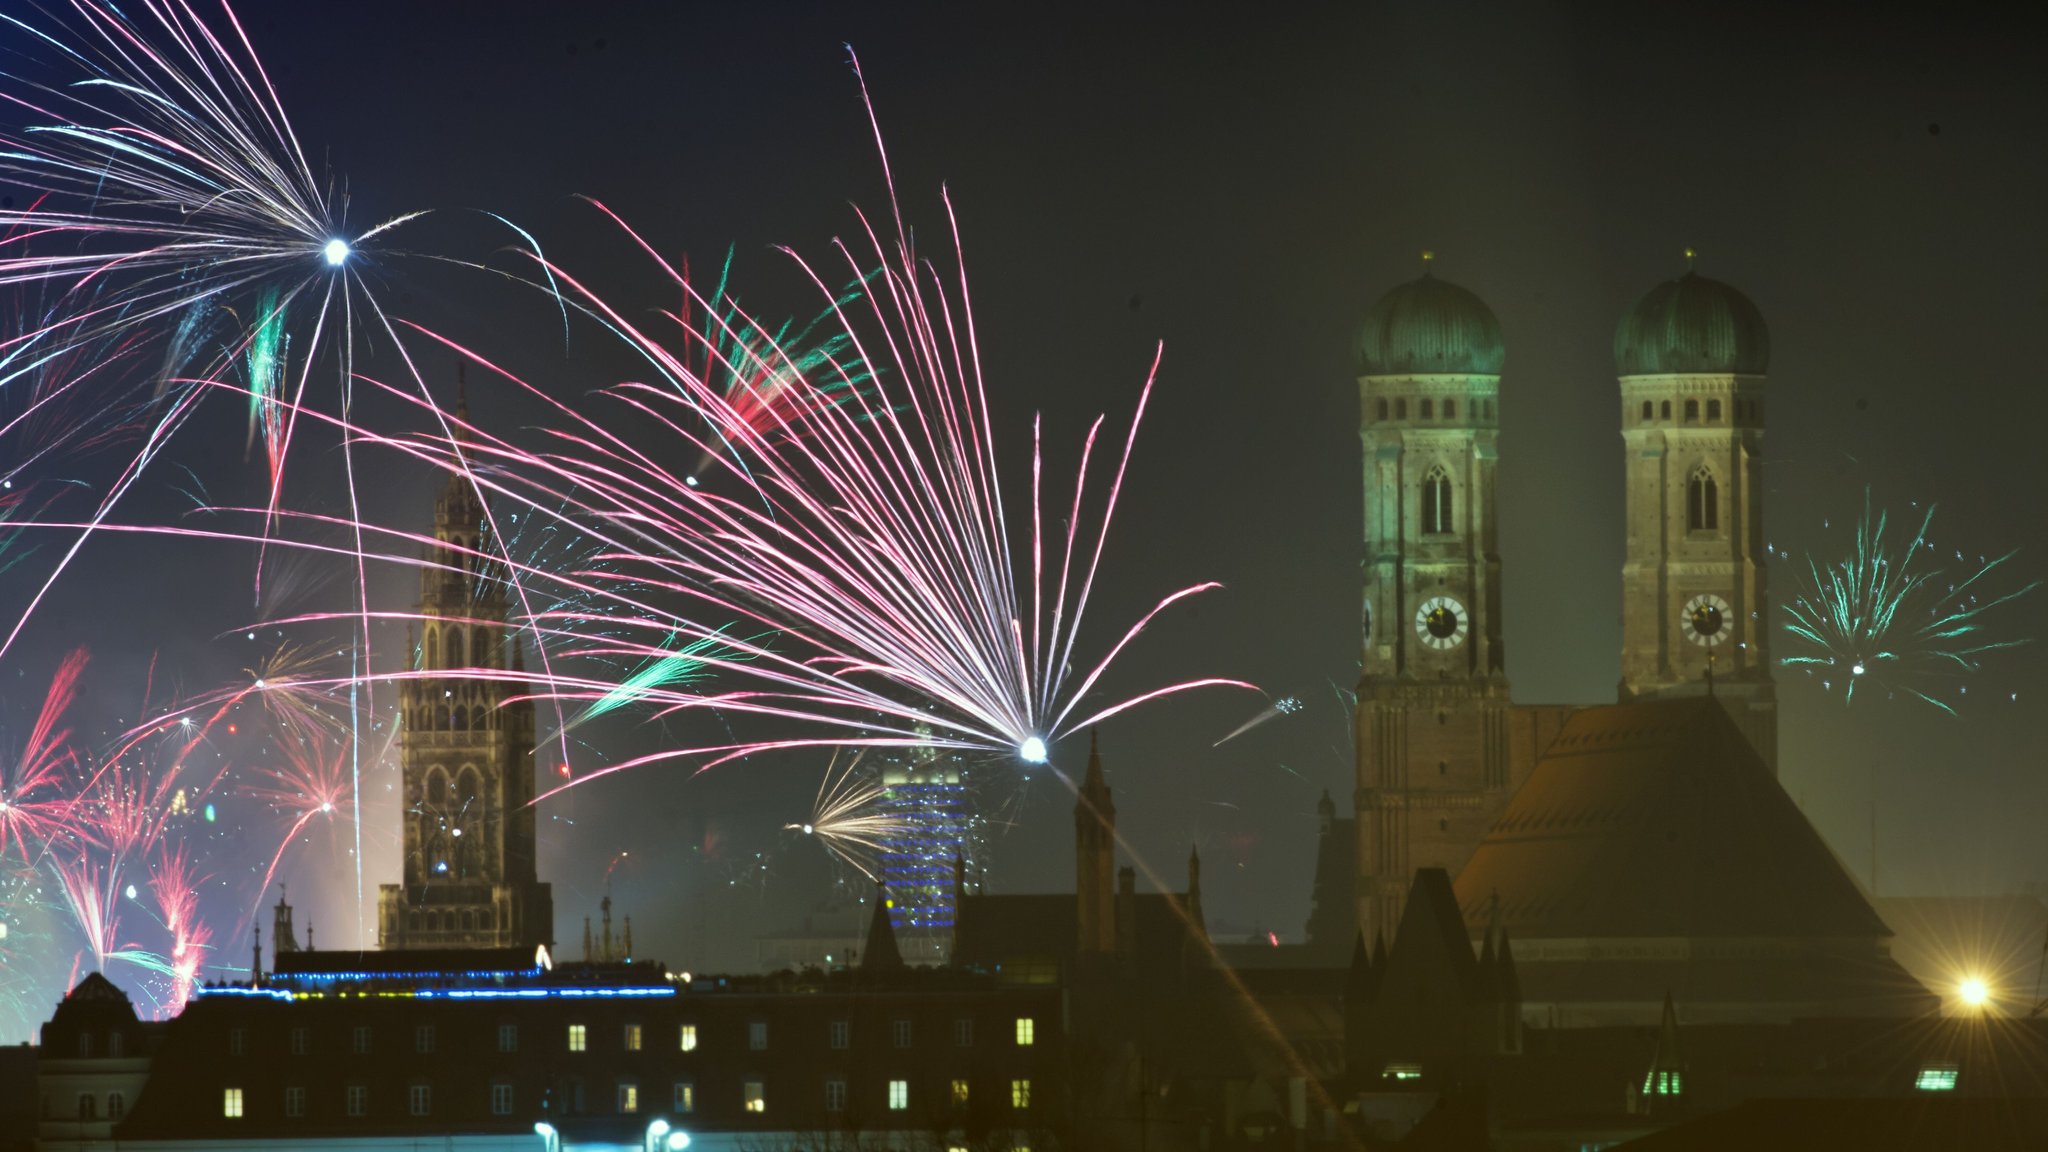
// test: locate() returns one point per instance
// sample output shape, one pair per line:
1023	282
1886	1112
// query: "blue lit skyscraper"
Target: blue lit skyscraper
928	793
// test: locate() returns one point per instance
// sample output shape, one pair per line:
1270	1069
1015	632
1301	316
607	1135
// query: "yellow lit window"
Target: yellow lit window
685	1098
1026	1028
632	1037
899	1095
231	1104
959	1093
578	1038
757	1096
629	1099
1020	1093
688	1042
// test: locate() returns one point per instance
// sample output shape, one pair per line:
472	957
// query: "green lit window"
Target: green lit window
1936	1078
1402	1072
1663	1084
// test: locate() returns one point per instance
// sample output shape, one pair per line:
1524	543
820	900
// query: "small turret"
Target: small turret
881	953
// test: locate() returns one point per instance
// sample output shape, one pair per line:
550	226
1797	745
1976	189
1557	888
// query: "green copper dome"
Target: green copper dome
1429	325
1692	324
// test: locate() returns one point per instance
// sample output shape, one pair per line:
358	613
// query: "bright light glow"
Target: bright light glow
336	252
690	480
544	1130
1032	750
1856	669
807	829
677	1141
1973	992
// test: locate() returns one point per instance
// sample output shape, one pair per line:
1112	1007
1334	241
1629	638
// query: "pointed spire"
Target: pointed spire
586	939
1326	813
462	390
881	953
959	881
629	938
1094	777
1507	984
1664	1085
255	956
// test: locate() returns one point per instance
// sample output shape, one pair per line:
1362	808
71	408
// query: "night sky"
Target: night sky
1241	190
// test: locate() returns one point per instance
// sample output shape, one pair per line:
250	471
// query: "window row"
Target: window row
1744	410
633	1037
89	1107
1428	409
116	1045
419	1099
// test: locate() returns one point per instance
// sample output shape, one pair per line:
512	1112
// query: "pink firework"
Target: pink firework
176	888
314	783
35	800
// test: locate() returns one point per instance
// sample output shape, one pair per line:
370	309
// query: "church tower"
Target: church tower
1695	616
465	756
1094	860
1433	703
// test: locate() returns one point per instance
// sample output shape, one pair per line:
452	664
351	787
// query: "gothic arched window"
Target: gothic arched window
1713	409
1692	411
461	719
479	719
1428	410
457	658
1665	413
432	648
1646	409
1436	502
1702	501
1450	409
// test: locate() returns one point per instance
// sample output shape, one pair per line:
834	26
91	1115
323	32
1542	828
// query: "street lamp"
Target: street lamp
657	1130
551	1140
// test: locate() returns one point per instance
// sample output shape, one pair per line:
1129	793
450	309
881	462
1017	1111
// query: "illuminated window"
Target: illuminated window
756	1096
757	1036
687	1039
1664	1084
117	1106
1450	409
629	1099
632	1037
835	1095
508	1037
230	1103
501	1099
685	1097
963	1032
901	1030
1026	1028
294	1102
299	1042
423	1039
1702	501
420	1100
1692	411
1436	501
237	1041
842	1033
1940	1077
1402	1072
1020	1093
899	1095
1713	409
359	1040
959	1093
358	1100
578	1038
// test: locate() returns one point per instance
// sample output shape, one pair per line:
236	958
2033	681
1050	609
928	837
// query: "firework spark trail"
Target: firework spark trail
844	820
1893	619
175	885
1285	706
314	782
34	801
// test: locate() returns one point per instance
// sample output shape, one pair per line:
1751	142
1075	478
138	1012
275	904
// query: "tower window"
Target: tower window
1702	501
1383	409
1450	409
1692	411
1428	410
1436	502
1665	411
1713	409
1401	409
1646	409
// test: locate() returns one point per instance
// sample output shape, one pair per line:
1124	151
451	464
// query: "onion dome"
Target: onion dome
1430	326
1692	325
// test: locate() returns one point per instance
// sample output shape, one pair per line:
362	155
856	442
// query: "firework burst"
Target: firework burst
1895	617
846	818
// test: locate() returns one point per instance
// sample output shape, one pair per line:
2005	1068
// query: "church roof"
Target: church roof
1658	819
1430	326
991	932
1692	325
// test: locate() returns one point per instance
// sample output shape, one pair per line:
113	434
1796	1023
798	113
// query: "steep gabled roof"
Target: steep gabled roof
1658	819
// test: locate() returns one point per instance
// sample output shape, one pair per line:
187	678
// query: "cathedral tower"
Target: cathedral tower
1695	618
1433	704
1094	860
466	757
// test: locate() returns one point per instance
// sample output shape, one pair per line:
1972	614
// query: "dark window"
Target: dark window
963	1031
1436	502
359	1042
423	1040
1665	411
358	1100
841	1033
1428	412
85	1046
1703	502
1450	409
420	1101
299	1042
1713	409
114	1045
1443	825
1401	409
1692	411
1383	409
1647	409
508	1037
117	1106
901	1030
86	1109
294	1102
237	1040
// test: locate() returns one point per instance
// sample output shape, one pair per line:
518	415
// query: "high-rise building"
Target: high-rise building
937	835
465	755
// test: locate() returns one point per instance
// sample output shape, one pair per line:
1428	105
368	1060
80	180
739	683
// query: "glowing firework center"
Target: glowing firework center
926	796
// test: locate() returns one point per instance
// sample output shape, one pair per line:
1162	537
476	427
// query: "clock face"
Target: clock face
1440	622
1706	620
